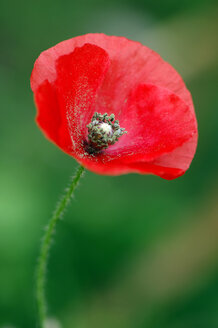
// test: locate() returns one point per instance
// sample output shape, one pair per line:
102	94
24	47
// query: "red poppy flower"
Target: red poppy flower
116	106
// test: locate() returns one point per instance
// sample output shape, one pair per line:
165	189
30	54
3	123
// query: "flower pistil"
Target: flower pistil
103	131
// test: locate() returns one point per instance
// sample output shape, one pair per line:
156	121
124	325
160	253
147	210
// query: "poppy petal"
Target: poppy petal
131	63
65	105
157	122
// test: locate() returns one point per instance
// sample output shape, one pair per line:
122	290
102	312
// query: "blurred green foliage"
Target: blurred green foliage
143	251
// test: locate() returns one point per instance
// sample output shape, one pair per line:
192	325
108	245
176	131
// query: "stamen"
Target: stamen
103	131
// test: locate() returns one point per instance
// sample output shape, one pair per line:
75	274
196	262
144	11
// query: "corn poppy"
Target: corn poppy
116	106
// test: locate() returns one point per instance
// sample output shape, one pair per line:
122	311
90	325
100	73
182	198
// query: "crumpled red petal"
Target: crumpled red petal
112	74
65	105
157	122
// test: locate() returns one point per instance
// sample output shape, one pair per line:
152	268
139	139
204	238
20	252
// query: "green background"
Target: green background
133	251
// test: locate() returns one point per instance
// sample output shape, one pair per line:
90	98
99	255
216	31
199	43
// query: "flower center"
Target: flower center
103	131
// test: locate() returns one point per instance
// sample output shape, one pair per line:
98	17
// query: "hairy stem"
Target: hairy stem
46	244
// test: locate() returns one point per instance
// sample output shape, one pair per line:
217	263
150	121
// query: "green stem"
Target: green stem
46	244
